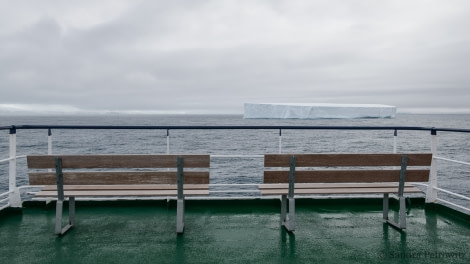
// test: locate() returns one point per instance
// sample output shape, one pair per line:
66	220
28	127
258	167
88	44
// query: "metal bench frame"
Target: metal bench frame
288	201
121	190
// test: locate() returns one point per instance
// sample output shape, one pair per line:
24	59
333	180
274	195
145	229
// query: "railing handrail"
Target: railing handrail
235	127
230	127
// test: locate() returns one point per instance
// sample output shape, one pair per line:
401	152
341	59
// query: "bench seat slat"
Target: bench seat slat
333	185
92	193
127	187
339	191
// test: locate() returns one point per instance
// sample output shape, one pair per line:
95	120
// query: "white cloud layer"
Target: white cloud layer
213	56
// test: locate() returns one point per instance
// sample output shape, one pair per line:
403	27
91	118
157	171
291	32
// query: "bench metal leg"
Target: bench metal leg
180	201
385	207
58	217
59	230
402	224
180	216
288	217
283	209
291	220
401	215
72	210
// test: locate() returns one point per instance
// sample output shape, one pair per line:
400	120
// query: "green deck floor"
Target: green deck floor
234	232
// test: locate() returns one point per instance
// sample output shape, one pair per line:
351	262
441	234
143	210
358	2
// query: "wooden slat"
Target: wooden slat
331	176
339	191
127	187
116	177
95	193
348	160
333	185
118	161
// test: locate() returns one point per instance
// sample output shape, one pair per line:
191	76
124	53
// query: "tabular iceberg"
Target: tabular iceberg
318	110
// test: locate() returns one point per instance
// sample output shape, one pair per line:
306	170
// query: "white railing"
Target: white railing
14	197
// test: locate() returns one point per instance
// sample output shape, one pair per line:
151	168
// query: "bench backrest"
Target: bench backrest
337	168
125	169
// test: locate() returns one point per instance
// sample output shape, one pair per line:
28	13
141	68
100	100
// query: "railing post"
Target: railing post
395	135
280	141
15	198
431	192
49	142
167	141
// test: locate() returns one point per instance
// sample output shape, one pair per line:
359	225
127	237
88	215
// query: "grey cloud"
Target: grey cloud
214	55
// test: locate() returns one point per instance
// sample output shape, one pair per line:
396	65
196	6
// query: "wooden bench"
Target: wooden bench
118	175
313	174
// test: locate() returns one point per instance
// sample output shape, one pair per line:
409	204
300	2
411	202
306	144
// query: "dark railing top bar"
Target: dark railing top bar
209	127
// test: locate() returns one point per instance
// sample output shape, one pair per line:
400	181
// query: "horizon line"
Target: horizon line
44	110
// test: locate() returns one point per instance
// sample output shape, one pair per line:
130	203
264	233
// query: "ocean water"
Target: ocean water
221	143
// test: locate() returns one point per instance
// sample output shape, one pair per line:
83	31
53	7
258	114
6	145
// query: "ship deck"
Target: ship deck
234	231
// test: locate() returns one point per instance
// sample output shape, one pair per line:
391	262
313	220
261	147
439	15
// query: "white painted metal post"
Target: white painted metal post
431	192
49	142
15	198
167	141
395	135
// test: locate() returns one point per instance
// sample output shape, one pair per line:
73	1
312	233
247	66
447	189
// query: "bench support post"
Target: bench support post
59	230
180	200
385	207
431	192
288	218
402	211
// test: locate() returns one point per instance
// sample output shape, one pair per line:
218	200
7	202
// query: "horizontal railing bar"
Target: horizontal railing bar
451	160
433	130
5	160
218	127
8	159
237	156
222	127
452	130
455	205
14	127
452	193
6	193
236	191
232	184
5	206
4	200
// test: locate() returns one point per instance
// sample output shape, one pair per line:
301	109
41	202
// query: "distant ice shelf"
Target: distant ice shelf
318	110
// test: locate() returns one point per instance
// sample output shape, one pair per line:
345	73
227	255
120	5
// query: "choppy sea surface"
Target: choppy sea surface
222	144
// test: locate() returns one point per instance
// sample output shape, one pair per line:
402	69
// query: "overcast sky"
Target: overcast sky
213	56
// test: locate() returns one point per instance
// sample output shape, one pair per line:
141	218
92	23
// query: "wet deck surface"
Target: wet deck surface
233	232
